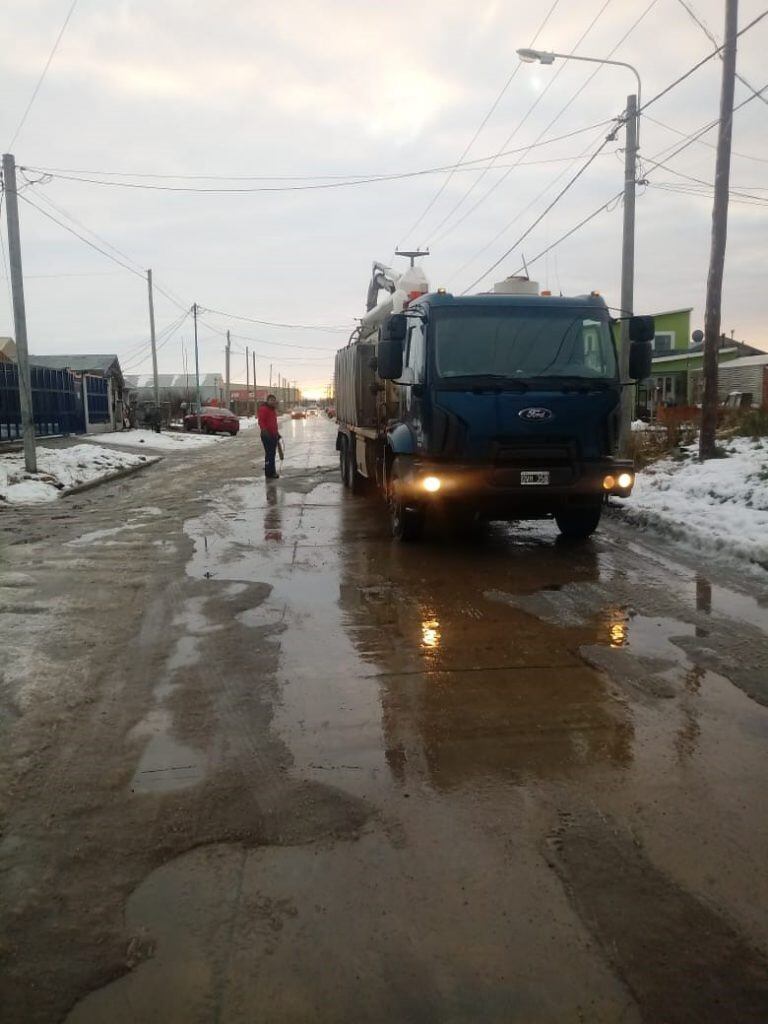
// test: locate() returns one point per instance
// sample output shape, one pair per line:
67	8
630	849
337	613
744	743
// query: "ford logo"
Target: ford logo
538	414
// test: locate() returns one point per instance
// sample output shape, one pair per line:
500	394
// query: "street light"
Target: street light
634	106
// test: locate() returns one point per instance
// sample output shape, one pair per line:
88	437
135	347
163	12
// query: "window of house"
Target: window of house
664	341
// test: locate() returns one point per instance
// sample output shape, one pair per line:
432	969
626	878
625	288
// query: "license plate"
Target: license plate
535	479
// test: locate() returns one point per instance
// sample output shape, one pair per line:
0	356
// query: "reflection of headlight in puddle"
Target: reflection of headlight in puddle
618	634
430	633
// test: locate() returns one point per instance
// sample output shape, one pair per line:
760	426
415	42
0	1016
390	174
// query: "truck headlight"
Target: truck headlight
625	480
431	484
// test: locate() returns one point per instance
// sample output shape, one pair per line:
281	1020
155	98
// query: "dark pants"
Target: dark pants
270	450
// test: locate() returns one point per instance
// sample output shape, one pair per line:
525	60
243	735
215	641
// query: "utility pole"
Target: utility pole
197	368
247	378
226	372
270	376
155	383
712	311
19	313
253	357
628	272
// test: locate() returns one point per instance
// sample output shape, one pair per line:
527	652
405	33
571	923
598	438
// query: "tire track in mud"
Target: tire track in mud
681	960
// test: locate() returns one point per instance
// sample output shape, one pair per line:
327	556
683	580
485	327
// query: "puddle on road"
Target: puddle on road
518	657
166	764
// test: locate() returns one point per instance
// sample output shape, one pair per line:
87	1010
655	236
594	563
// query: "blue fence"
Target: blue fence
97	396
57	402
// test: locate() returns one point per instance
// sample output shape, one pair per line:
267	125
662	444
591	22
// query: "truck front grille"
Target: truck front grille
542	454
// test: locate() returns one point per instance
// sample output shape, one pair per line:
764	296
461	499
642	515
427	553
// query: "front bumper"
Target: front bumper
500	486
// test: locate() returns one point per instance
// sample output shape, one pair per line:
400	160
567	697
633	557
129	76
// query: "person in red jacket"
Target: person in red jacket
267	417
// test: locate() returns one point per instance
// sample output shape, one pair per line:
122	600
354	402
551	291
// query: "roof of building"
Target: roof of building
87	363
735	364
173	380
674	312
690	353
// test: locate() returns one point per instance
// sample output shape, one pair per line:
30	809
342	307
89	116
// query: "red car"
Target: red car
213	420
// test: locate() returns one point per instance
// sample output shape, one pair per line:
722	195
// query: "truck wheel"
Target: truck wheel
407	520
343	461
578	523
353	480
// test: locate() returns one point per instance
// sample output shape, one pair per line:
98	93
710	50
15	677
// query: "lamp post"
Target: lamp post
634	106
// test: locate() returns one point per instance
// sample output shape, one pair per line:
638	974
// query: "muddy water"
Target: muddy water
562	750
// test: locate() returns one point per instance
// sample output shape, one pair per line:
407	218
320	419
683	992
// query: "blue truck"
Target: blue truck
505	405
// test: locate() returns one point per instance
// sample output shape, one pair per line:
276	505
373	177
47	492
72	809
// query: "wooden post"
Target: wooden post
712	313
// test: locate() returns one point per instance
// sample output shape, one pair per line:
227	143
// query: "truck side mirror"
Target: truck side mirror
394	327
640	358
642	328
390	358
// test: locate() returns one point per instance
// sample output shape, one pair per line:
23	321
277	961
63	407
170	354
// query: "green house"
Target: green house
673	331
675	360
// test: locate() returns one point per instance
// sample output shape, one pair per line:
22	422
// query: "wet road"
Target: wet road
261	763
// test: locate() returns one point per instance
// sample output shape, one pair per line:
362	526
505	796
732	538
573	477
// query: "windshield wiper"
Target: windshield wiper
485	382
575	383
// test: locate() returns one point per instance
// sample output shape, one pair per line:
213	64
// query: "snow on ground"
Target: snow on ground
58	470
719	506
163	442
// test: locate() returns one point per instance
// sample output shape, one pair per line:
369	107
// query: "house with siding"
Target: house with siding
677	360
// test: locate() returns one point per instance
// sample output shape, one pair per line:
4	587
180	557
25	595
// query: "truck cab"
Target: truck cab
507	406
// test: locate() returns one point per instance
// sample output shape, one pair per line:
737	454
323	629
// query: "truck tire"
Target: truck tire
578	523
407	520
343	451
352	479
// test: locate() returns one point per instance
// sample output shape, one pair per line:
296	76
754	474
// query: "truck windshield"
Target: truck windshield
520	343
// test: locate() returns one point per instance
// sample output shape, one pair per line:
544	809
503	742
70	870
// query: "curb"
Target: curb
110	477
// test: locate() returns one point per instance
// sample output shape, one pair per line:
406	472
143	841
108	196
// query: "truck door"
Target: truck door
412	393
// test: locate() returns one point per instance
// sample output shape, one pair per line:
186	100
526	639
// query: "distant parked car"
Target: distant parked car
213	420
298	414
330	412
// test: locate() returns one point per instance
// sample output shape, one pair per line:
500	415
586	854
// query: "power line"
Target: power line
521	213
470	164
690	139
480	127
82	238
571	231
755	200
740	190
701	63
572	181
713	39
83	227
709	145
272	323
84	176
559	114
690	190
36	90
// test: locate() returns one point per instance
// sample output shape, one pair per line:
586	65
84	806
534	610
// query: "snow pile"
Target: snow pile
720	505
246	422
58	470
163	442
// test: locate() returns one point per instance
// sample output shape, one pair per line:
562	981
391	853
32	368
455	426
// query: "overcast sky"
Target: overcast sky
308	89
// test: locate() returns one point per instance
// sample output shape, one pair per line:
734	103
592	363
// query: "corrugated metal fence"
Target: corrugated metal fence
97	397
56	402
